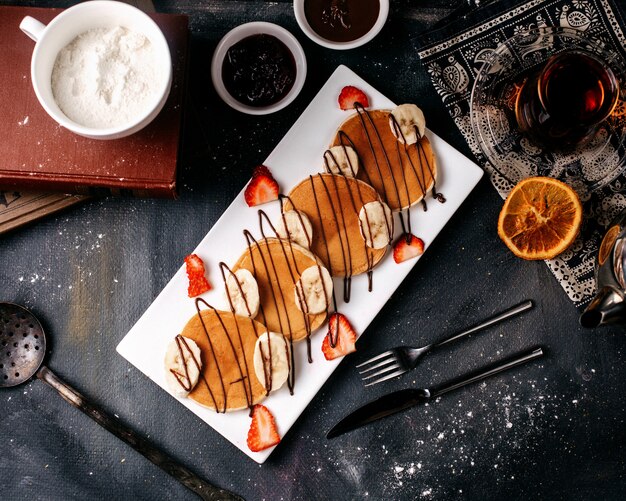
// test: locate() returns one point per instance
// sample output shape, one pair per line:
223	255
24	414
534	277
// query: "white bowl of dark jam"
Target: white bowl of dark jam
341	24
258	68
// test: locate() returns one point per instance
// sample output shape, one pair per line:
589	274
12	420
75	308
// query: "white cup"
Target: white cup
383	13
257	28
68	25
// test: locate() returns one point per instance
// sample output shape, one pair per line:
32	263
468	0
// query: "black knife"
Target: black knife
407	398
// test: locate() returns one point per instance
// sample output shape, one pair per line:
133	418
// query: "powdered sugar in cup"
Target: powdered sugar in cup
101	69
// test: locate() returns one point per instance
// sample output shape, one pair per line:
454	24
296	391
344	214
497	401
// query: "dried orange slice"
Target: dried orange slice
540	218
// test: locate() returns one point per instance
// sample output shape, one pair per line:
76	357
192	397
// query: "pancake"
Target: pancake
277	266
332	204
401	176
231	349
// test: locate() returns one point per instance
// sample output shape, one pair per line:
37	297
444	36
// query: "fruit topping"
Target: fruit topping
406	247
198	282
341	337
262	187
183	363
376	224
261	170
407	123
263	433
314	290
342	160
295	225
272	360
242	292
350	96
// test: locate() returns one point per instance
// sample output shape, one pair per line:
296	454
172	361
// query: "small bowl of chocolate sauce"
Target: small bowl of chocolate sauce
258	68
341	24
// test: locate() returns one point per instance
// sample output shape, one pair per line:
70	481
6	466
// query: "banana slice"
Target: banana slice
314	290
407	117
376	222
183	363
294	225
342	160
243	291
274	344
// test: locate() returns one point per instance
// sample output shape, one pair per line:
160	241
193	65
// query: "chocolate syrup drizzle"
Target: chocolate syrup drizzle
294	272
420	151
365	119
281	305
247	388
267	366
343	139
252	241
185	380
342	134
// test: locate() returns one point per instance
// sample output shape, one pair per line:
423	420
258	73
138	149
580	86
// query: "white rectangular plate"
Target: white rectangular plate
298	155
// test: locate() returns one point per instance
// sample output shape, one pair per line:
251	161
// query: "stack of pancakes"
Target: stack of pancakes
388	171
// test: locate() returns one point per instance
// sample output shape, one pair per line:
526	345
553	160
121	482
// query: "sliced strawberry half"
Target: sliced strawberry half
349	96
406	247
341	337
261	170
262	187
198	282
263	433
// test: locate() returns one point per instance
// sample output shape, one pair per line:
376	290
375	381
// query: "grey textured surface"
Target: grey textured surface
551	430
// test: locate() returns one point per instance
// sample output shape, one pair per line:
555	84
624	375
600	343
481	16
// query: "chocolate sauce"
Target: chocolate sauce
348	284
259	70
347	260
252	241
243	378
420	149
180	342
365	119
267	371
348	278
301	300
345	141
406	228
341	20
438	195
364	113
293	271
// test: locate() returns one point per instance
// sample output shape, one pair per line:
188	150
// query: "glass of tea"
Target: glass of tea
564	104
551	102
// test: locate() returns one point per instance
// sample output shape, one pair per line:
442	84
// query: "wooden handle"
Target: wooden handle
186	477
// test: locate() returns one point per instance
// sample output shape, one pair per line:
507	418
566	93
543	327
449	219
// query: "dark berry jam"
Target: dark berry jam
259	70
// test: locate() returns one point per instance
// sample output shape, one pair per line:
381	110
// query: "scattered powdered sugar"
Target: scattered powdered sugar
106	77
496	428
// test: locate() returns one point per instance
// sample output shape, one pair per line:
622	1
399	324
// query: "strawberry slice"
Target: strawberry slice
349	96
263	432
406	247
262	187
198	282
341	335
261	170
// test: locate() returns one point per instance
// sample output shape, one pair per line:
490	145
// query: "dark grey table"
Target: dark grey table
551	430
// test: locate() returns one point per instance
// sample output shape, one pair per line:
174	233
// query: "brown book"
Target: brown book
37	154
